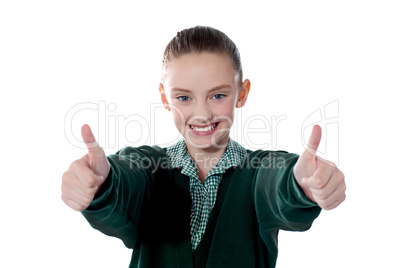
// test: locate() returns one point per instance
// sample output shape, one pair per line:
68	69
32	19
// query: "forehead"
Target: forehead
199	70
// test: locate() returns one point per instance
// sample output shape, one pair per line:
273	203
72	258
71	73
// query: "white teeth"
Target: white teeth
202	128
209	128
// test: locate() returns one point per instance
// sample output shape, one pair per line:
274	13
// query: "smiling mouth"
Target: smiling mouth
207	128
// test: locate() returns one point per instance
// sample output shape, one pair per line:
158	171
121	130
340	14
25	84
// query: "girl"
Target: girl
205	201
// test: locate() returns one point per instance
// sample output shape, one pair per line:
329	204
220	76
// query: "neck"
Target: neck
207	158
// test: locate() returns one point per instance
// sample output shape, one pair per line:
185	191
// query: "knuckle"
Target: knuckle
75	165
329	163
344	188
65	192
65	176
90	192
324	204
340	175
63	189
63	198
343	197
319	182
86	202
332	164
90	180
76	206
67	181
321	195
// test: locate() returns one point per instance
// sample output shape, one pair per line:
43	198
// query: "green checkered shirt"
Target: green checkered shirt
203	195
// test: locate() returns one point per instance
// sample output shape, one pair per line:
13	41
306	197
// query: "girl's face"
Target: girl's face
202	90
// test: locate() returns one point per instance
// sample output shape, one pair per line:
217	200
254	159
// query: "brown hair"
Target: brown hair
203	39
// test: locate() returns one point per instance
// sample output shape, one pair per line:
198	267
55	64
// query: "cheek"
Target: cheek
179	119
225	110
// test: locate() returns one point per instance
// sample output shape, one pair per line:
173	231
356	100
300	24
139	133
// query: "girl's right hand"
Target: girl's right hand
85	176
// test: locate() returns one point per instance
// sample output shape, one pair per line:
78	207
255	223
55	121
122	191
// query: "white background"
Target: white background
299	55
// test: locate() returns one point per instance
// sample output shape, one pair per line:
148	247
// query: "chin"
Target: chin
207	142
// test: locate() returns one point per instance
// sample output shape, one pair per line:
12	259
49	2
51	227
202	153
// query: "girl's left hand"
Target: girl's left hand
320	179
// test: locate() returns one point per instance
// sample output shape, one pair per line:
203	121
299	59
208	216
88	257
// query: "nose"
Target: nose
202	113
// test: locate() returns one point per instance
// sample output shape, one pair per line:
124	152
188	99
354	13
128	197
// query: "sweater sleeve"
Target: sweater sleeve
279	201
117	207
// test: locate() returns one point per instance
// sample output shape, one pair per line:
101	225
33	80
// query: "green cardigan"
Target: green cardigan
147	204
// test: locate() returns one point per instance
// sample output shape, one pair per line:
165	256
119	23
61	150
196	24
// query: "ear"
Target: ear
164	97
243	94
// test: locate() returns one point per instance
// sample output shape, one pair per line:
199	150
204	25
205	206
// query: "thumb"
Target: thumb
96	156
313	142
93	147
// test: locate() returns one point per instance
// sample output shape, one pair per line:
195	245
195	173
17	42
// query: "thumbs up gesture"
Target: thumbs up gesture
320	179
84	177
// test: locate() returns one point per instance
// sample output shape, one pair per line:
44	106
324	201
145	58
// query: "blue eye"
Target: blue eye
183	98
218	96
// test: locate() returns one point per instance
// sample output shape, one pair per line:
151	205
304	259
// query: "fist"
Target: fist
320	179
84	177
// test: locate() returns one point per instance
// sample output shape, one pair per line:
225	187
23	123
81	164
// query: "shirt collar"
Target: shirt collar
180	157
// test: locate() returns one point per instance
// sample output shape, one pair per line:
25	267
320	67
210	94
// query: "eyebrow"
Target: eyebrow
211	90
